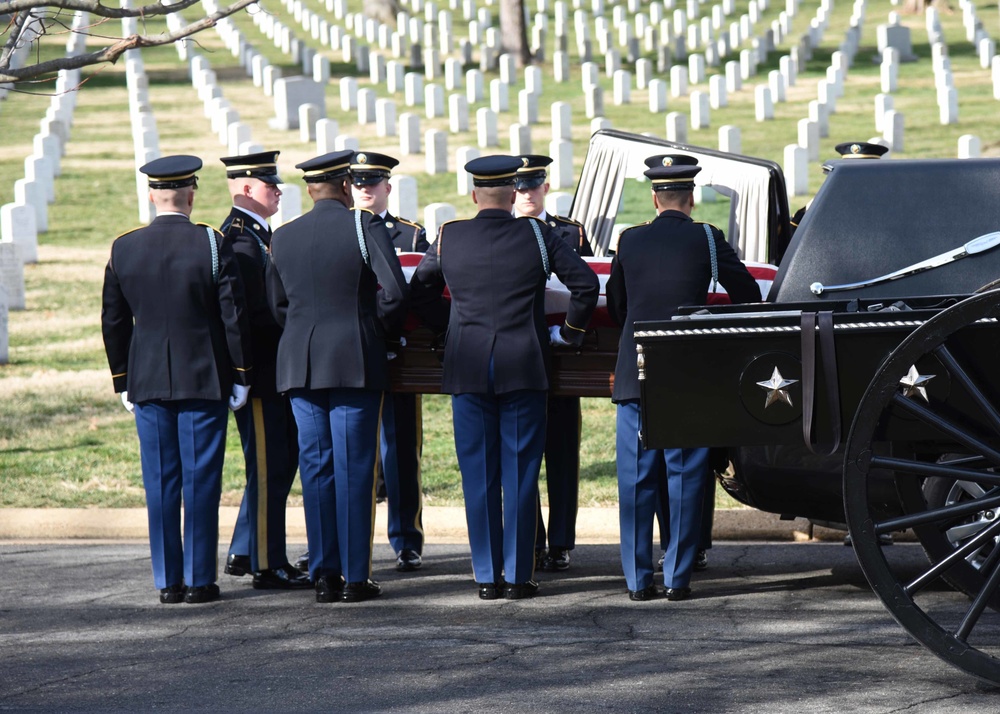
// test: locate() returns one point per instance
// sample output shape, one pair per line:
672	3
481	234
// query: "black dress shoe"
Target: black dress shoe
490	591
364	590
540	555
202	593
700	561
238	565
284	578
520	591
302	562
172	595
678	593
556	560
650	592
329	588
408	560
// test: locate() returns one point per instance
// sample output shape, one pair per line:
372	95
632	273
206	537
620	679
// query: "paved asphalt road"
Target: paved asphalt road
788	627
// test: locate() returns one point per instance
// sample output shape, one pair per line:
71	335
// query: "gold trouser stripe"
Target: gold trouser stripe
378	451
419	418
260	443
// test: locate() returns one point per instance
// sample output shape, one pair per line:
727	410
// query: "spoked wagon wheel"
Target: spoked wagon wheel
930	419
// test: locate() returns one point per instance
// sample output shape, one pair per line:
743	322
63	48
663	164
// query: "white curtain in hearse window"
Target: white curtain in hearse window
612	159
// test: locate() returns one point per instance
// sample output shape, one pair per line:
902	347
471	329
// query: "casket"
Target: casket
588	371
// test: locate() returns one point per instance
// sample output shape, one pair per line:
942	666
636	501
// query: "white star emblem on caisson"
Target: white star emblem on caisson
776	389
915	384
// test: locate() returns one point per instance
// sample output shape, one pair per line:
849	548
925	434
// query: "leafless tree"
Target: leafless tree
514	30
27	22
384	11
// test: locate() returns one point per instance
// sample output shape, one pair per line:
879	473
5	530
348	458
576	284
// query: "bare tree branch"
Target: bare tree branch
116	48
95	7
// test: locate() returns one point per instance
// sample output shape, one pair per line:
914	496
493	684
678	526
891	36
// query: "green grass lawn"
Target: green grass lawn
65	440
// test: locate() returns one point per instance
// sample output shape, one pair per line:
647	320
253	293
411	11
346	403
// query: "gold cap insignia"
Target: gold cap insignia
855	149
362	158
667	161
524	161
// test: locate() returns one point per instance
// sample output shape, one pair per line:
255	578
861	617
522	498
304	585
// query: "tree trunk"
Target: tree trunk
514	31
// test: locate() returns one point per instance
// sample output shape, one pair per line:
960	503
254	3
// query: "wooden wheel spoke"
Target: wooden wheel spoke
974	544
946	427
925	468
957	510
979	604
960	375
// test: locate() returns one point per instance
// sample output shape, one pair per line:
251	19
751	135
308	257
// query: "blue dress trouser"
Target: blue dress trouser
640	474
338	440
182	445
499	440
271	452
402	442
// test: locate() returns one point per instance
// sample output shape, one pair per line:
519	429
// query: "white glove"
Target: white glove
555	336
127	404
239	396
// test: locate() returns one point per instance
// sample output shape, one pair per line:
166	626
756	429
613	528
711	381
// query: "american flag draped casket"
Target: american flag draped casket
587	372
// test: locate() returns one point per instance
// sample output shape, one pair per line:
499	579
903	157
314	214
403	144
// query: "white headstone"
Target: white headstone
562	121
729	139
527	107
948	105
435	214
678	81
17	225
12	275
561	168
437	151
409	134
434	101
560	67
385	117
734	80
458	113
239	134
39	169
889	71
657	96
796	167
4	339
677	126
893	131
969	146
486	127
346	142
809	138
696	68
32	194
593	101
818	113
763	106
776	82
292	92
413	89
290	206
717	91
464	155
474	86
520	139
326	135
308	116
499	96
883	103
403	198
622	87
700	116
348	94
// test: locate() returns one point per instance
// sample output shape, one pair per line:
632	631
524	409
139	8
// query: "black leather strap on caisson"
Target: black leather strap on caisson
828	358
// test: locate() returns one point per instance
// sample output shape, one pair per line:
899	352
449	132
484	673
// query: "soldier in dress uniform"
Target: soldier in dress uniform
562	432
335	286
401	426
660	266
495	362
846	150
178	344
266	426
